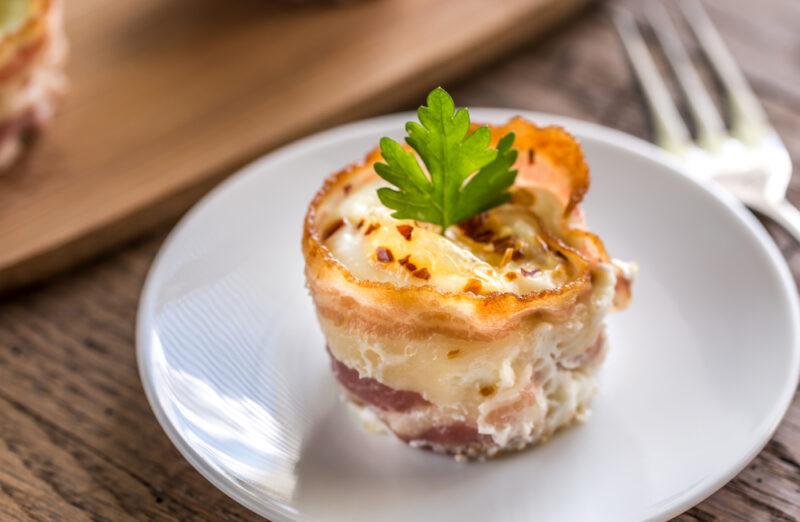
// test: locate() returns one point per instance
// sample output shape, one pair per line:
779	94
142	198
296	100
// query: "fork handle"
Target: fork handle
783	213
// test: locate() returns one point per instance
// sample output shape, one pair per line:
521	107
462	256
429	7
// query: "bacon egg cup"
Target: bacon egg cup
32	52
481	340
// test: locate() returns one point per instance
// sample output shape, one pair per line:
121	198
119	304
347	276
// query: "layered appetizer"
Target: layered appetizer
32	51
460	292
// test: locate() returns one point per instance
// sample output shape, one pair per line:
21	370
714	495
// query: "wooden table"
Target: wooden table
77	438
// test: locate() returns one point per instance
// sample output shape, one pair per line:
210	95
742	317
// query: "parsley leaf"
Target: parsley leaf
464	175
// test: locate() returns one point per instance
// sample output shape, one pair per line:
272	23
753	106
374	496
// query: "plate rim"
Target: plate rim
582	130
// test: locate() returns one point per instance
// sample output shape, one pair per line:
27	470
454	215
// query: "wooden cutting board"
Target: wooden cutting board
168	97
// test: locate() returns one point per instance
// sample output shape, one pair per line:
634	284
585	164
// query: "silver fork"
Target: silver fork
749	159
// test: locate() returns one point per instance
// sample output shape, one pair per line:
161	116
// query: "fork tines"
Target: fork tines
747	119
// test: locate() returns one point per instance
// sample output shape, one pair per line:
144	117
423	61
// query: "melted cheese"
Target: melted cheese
511	257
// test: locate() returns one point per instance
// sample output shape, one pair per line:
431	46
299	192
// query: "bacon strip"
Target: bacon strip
373	392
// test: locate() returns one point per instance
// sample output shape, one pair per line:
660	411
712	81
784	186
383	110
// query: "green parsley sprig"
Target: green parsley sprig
465	175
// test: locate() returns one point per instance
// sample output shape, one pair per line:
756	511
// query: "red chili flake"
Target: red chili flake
529	273
360	224
517	255
474	286
484	236
372	228
422	273
332	228
511	276
452	354
384	255
531	156
405	231
347	188
501	243
472	226
406	262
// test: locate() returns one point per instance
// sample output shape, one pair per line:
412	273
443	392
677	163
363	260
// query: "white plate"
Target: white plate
701	369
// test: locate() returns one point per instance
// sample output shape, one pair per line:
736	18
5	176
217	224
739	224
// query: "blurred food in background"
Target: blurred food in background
32	52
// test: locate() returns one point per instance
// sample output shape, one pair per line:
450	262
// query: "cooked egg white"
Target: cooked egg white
512	255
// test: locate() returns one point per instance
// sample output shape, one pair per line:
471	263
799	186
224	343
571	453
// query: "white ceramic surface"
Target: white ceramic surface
701	368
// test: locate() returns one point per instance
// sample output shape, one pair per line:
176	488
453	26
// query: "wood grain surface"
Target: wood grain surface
77	438
167	97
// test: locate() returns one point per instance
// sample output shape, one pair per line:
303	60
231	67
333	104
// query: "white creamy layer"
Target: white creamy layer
455	262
